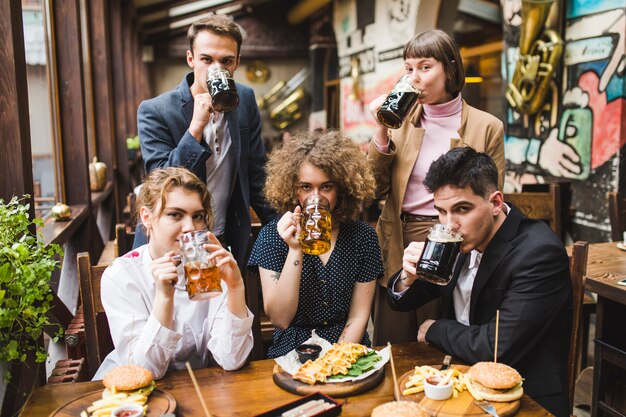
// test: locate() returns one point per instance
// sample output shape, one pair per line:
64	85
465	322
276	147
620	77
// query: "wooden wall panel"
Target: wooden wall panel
71	98
122	176
15	153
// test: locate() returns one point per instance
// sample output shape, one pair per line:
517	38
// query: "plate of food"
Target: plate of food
495	382
125	384
341	370
621	246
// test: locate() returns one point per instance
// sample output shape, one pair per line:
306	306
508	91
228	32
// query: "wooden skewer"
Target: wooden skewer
195	384
396	391
495	351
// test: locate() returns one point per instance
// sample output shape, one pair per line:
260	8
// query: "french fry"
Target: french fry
413	390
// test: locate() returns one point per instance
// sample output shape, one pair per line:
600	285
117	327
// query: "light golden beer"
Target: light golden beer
316	226
203	280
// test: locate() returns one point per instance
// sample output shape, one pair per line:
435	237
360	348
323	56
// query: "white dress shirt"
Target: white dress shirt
463	290
200	327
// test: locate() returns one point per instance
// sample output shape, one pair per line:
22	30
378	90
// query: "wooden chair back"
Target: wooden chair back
540	205
123	239
617	215
97	333
578	270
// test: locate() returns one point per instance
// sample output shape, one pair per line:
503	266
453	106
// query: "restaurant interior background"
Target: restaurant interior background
317	64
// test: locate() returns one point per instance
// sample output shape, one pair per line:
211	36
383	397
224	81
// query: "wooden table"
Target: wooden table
607	265
250	390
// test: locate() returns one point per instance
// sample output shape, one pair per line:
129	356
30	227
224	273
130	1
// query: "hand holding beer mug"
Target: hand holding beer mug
441	249
202	278
316	226
222	88
398	103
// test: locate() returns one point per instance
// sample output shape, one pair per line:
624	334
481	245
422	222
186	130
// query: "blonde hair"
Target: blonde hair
162	180
334	154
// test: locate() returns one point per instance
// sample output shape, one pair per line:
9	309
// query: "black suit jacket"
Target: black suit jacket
165	141
524	272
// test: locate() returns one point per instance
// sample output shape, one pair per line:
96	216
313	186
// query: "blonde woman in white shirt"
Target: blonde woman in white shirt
152	323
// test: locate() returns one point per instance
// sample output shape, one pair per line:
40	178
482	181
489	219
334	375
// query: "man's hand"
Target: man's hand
202	110
408	276
421	333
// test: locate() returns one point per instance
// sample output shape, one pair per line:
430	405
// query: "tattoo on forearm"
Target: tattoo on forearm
296	262
345	329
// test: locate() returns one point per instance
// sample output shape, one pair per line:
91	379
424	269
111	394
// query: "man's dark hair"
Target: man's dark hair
463	167
218	24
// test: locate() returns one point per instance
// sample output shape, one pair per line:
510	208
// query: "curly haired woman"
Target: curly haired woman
330	293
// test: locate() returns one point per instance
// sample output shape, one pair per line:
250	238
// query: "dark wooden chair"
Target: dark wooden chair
544	206
578	270
617	215
97	333
123	239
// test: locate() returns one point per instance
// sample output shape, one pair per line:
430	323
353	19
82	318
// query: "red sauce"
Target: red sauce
127	413
433	380
308	350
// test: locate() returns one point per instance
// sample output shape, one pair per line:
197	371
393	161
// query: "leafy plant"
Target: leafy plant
26	265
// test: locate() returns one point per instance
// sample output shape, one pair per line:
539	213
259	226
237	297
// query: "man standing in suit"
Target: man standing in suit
508	263
181	128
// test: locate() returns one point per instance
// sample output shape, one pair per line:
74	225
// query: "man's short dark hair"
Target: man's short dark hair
463	167
218	24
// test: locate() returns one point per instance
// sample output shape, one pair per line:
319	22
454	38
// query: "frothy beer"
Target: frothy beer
203	280
316	226
398	104
223	91
439	256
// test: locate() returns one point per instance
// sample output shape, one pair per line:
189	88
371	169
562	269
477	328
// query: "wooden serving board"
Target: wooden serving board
334	389
159	403
463	405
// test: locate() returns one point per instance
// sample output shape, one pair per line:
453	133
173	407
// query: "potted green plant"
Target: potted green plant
26	265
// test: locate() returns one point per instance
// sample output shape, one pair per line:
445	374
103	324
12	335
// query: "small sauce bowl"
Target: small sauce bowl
434	391
128	410
306	352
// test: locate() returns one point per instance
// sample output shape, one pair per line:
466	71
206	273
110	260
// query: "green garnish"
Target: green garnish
363	364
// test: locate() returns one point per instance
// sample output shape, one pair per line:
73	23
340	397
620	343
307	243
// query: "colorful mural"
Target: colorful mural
579	132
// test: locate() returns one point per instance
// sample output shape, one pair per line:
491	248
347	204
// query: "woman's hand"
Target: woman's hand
165	275
375	105
288	228
226	263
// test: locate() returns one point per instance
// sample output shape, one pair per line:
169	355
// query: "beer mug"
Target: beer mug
315	225
441	249
222	88
398	103
201	277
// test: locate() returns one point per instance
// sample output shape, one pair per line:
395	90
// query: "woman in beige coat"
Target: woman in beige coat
400	158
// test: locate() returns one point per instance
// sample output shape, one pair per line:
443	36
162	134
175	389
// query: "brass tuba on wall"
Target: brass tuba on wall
539	55
288	111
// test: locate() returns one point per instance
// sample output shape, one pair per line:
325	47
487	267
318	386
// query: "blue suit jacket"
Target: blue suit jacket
524	272
165	141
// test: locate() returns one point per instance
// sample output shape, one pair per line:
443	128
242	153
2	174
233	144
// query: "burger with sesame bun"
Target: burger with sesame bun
494	381
129	379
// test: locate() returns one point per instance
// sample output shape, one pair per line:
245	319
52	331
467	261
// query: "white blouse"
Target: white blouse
200	327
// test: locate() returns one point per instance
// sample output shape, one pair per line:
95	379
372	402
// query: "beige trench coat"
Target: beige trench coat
479	129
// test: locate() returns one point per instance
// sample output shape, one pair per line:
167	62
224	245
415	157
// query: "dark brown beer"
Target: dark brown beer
437	261
224	94
396	107
203	281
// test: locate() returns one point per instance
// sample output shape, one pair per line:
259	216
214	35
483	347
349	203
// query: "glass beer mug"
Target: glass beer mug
222	88
441	249
202	278
316	226
398	103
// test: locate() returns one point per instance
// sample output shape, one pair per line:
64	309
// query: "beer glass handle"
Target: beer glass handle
182	282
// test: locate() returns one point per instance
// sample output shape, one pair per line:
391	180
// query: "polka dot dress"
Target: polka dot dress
325	290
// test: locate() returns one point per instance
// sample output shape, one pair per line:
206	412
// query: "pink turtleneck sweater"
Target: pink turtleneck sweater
441	123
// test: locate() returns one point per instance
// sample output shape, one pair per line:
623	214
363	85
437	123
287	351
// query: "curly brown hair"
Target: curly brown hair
160	181
334	154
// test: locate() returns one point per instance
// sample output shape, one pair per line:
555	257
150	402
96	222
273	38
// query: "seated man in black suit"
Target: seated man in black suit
508	263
